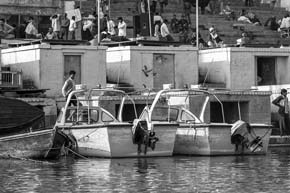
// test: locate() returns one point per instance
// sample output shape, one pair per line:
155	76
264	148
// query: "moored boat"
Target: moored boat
98	133
22	132
195	137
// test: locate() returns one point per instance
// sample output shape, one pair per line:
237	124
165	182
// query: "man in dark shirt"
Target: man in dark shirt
64	27
282	102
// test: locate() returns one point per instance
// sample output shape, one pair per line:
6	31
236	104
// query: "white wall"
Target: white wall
236	67
124	64
45	65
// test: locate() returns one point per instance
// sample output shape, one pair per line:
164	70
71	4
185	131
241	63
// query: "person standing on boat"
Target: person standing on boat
282	102
68	87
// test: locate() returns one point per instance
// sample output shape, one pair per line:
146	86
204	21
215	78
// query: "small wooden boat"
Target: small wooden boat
22	132
195	137
98	133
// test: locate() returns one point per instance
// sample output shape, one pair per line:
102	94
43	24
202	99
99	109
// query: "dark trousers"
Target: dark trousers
169	38
64	33
284	124
71	35
73	101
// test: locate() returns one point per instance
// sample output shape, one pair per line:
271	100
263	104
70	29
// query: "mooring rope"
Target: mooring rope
75	153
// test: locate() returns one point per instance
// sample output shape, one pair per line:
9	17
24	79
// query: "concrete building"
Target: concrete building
151	67
242	68
47	66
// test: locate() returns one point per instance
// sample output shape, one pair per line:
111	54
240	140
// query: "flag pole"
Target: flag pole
149	13
99	22
197	24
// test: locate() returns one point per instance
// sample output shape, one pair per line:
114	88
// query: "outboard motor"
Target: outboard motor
243	134
141	135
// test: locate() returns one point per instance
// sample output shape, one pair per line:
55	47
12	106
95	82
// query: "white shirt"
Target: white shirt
111	27
88	24
164	30
72	25
122	29
55	23
30	29
285	23
157	18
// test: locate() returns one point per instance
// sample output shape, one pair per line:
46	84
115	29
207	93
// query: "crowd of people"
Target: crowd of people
64	28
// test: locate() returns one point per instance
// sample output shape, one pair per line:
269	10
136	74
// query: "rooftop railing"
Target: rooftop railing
10	79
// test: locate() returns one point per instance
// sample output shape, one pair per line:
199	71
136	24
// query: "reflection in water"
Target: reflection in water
269	173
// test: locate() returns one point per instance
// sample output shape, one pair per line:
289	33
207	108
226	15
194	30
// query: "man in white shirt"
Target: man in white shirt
30	29
110	25
72	28
122	26
165	34
55	23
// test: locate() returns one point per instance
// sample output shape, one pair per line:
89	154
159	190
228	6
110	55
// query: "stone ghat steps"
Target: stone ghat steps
229	33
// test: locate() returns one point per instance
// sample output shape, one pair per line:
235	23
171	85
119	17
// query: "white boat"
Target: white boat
195	137
98	133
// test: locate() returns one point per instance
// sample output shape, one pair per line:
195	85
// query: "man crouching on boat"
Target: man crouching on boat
68	87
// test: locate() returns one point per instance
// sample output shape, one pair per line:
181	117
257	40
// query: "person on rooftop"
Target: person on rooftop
228	12
30	30
272	23
122	26
51	35
165	34
244	17
55	23
72	28
88	28
6	31
243	40
64	25
285	23
174	24
254	19
183	23
214	38
110	25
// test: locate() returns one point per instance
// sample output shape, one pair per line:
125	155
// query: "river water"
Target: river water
269	173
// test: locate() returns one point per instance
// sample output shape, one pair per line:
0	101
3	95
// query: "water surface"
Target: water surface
270	173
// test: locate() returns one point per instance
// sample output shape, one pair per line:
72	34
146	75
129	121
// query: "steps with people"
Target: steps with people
227	29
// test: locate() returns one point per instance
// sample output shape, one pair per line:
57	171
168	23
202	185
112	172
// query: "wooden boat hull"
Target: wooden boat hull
115	140
27	145
214	139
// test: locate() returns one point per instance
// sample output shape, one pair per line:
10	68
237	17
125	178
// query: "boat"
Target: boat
99	133
22	132
196	137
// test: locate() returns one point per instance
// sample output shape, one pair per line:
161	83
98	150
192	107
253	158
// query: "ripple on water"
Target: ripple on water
270	173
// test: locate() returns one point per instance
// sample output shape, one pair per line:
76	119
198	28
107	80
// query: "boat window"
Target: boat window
164	114
82	115
144	114
106	117
186	116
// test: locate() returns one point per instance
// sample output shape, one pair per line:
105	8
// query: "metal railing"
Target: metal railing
10	79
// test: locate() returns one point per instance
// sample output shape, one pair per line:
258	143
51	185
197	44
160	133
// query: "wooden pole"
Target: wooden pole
149	13
197	30
99	21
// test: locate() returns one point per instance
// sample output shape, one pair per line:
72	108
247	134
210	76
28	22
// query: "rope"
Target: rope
88	134
75	153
